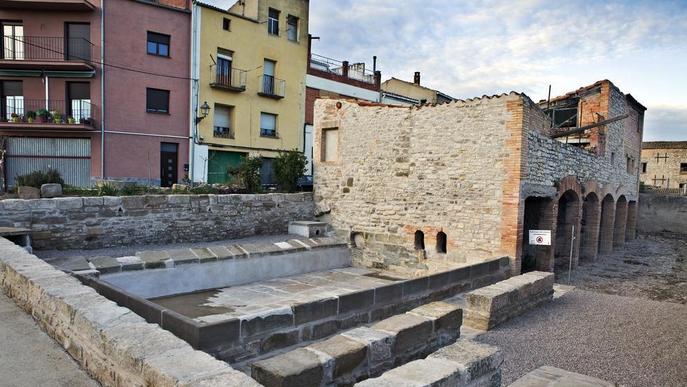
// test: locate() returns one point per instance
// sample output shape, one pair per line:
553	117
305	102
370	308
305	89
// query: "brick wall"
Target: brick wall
95	222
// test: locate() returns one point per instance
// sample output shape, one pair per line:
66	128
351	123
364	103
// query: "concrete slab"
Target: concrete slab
548	376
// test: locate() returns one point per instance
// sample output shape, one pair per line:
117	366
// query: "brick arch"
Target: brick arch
567	225
569	183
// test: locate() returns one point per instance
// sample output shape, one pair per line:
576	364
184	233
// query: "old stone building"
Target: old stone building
466	181
664	164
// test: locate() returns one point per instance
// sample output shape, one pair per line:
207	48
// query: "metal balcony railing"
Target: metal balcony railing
230	78
355	71
46	48
272	87
39	111
223	132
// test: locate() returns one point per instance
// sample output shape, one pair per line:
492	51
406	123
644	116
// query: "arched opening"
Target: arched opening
606	227
589	231
538	216
419	240
567	224
631	229
441	242
620	223
357	240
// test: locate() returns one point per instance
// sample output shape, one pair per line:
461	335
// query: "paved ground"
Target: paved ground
652	267
29	357
631	341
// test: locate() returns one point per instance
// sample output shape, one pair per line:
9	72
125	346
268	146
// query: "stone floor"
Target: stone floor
29	357
272	295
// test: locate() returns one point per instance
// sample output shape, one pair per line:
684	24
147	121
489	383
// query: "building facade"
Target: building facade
330	78
96	89
250	61
466	181
399	92
664	164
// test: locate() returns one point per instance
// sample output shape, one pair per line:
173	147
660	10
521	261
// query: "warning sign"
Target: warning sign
540	237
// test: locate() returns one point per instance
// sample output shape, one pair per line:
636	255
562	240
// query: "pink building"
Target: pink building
95	92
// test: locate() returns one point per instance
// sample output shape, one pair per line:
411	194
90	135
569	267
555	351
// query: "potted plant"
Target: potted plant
30	116
71	120
56	116
15	117
43	115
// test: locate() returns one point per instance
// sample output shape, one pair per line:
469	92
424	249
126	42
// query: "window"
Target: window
330	144
12	41
273	22
292	28
79	95
683	167
441	242
157	101
224	62
222	121
419	240
644	167
268	124
158	44
12	99
226	24
268	76
267	172
78	41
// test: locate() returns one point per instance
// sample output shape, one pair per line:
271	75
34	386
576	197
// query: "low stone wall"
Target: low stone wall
660	213
364	352
97	222
113	344
465	363
491	305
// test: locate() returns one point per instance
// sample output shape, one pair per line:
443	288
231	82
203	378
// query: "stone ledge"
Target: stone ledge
551	376
114	345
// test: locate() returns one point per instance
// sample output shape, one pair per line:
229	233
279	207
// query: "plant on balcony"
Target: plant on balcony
43	115
15	118
56	116
30	116
71	120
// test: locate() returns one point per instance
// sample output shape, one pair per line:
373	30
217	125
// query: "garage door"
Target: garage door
70	156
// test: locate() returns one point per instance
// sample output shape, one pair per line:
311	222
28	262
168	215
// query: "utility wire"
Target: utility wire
102	63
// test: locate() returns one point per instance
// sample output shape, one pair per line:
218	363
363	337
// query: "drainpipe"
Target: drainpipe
192	95
102	89
47	92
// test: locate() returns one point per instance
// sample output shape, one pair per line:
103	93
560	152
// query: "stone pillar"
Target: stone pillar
620	223
606	227
631	228
590	225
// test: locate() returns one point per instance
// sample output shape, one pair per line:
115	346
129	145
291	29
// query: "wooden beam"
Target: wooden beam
590	126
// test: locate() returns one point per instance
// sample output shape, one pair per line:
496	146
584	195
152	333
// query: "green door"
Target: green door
218	164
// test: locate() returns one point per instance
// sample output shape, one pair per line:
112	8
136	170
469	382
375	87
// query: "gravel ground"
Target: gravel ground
652	267
630	341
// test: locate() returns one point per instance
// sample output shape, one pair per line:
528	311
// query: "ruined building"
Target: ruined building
466	181
664	164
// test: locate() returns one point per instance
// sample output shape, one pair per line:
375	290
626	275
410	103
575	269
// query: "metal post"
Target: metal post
572	245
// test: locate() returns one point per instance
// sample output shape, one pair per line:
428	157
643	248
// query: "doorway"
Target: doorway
169	159
78	41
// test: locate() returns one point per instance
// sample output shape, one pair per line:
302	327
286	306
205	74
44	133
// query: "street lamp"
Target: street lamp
204	111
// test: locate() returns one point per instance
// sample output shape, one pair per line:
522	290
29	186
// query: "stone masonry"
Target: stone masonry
96	222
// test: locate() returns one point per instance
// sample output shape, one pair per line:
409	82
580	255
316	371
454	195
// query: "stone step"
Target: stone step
547	376
364	352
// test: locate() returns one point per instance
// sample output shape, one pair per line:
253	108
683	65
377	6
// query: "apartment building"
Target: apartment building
250	59
95	89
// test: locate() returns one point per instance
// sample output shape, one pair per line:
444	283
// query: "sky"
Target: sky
469	49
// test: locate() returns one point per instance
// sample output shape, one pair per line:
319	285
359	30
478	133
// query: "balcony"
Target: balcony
272	87
356	71
46	53
48	5
232	80
19	113
222	132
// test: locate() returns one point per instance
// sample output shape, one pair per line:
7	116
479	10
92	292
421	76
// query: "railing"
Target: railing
39	111
223	132
355	71
48	48
664	191
272	87
230	78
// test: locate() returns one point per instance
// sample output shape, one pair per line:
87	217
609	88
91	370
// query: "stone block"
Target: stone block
51	190
182	256
26	192
270	321
546	376
419	373
220	334
444	315
348	354
439	280
296	368
279	340
153	259
130	263
68	203
411	331
475	359
388	293
16	204
221	252
415	287
323	329
356	301
307	229
204	254
316	310
106	264
379	344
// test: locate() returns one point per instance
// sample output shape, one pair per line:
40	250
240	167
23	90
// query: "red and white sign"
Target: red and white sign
540	237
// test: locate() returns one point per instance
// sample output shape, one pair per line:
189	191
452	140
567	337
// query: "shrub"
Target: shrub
248	173
130	190
107	189
38	178
288	168
204	189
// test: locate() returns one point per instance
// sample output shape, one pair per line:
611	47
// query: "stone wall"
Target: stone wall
114	345
401	170
664	171
660	213
96	222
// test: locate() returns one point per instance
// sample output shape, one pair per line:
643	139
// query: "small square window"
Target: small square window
158	44
226	24
268	124
683	167
157	101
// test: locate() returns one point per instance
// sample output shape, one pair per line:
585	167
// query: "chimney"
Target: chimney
416	80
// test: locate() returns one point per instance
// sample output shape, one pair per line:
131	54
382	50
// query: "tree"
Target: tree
248	173
288	168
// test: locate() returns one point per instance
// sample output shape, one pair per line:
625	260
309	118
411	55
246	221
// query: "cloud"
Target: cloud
469	49
667	123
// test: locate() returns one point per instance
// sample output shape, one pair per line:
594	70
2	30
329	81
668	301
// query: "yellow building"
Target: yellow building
250	62
399	92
